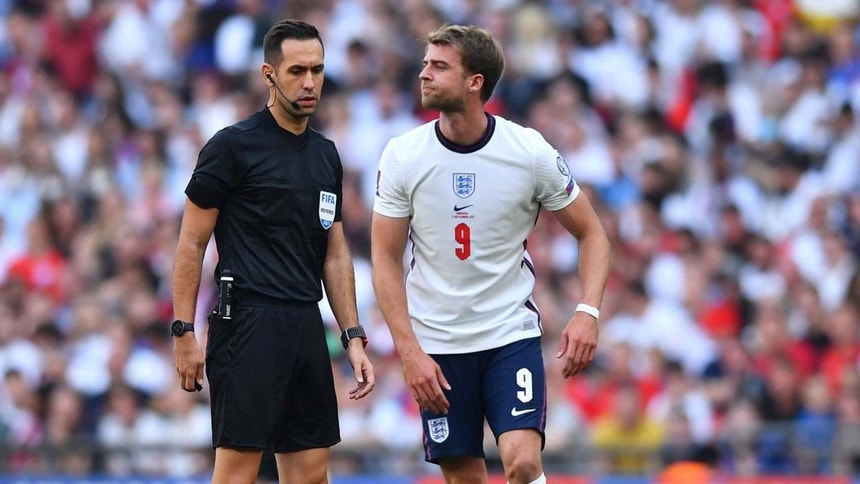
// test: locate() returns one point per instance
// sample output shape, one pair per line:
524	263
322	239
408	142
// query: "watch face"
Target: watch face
176	328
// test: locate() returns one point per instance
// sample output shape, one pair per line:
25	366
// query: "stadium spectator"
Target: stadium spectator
628	440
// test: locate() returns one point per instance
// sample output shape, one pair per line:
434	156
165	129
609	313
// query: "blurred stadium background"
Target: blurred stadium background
718	140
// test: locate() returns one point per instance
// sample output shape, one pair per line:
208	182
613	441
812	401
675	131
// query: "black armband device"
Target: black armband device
353	332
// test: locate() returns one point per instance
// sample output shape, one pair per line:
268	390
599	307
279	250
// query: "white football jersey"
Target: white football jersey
469	278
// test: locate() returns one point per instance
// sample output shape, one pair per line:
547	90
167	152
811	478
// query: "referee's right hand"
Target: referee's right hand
189	362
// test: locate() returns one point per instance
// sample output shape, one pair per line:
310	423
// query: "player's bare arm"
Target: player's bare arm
194	234
421	373
339	282
579	337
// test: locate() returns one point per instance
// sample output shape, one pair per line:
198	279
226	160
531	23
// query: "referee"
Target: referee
270	190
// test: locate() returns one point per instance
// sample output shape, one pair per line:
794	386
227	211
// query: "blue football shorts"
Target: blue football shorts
506	386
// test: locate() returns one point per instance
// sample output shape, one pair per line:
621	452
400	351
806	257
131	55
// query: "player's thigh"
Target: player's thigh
460	432
520	449
304	467
515	388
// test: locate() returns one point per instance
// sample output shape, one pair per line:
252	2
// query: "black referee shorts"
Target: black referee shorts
271	380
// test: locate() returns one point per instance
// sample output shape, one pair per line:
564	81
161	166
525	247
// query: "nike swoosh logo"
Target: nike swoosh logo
517	413
457	209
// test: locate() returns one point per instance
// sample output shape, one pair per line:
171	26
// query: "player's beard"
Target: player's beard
450	105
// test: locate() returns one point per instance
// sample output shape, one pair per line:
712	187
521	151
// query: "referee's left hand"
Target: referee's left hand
362	369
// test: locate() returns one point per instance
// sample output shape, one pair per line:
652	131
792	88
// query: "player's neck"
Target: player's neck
465	127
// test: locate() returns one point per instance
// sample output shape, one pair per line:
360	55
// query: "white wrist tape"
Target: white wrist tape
588	309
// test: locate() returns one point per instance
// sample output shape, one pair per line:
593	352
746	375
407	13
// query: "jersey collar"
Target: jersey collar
458	148
296	141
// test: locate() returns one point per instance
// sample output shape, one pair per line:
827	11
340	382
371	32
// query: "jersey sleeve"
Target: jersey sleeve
338	208
391	197
555	188
215	173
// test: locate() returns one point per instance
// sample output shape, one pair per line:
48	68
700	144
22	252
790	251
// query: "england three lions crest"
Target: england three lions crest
437	428
464	184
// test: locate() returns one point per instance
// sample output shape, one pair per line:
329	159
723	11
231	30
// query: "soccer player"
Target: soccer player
466	191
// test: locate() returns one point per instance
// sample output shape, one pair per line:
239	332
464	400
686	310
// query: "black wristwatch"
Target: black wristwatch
180	327
353	332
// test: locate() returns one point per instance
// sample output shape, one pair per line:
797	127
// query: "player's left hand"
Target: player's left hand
362	369
578	343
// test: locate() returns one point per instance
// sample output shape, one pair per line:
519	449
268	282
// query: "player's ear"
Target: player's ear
476	82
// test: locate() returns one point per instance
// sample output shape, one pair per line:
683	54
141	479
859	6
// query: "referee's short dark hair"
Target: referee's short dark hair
287	29
480	52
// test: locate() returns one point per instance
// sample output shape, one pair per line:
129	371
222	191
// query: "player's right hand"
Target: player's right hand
425	380
188	358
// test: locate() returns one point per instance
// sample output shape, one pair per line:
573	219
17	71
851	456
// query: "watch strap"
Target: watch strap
180	327
353	332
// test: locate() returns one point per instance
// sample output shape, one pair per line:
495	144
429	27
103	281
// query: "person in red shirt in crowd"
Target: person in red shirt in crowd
844	350
774	342
41	268
71	35
596	396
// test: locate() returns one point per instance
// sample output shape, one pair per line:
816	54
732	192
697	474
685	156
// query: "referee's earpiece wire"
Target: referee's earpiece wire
294	104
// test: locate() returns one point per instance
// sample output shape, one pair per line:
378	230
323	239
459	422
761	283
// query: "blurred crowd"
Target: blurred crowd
718	140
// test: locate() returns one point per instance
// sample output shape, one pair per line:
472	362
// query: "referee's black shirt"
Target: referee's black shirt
272	189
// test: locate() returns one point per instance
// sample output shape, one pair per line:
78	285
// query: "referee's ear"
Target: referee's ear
267	74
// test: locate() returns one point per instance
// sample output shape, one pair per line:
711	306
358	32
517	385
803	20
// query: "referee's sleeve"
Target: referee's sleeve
214	174
338	206
392	199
